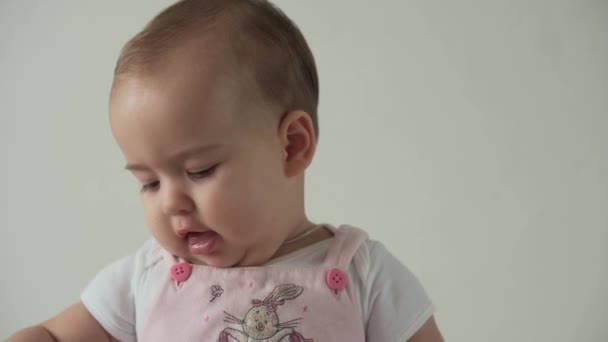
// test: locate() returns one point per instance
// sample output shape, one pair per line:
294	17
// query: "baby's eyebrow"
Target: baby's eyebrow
183	154
193	151
135	167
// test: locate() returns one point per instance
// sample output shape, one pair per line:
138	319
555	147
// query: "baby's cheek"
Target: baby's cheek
155	218
231	207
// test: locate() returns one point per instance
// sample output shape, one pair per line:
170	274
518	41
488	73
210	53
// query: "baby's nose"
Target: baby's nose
176	201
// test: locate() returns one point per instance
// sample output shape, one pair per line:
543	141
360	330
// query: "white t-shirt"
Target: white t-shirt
393	302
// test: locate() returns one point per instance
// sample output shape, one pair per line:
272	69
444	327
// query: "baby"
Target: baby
214	106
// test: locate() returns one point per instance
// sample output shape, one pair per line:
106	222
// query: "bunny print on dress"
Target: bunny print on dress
261	322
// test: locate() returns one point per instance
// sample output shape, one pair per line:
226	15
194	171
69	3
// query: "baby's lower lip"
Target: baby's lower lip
202	243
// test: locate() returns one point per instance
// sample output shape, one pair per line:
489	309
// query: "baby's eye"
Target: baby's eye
203	173
150	186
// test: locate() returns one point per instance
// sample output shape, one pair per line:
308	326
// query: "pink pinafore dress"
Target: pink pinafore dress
260	304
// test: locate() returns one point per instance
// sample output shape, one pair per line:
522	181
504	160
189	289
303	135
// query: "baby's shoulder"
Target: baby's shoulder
149	254
134	265
147	259
369	257
142	270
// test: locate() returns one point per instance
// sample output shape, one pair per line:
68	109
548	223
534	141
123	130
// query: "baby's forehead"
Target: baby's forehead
250	39
209	92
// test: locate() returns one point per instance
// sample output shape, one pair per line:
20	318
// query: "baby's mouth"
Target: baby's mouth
202	243
260	326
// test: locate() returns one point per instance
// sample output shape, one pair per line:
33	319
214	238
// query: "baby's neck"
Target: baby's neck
319	234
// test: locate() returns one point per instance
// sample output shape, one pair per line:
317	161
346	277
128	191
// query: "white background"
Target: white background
471	137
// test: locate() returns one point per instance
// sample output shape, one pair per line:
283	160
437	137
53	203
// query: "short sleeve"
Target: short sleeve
397	304
109	297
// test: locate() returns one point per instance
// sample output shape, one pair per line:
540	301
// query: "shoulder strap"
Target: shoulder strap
344	245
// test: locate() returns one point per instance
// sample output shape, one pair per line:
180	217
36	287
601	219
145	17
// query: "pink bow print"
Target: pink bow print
270	304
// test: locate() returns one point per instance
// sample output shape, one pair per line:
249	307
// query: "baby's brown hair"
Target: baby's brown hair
259	34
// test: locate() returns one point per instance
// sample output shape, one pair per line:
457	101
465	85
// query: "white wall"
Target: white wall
470	136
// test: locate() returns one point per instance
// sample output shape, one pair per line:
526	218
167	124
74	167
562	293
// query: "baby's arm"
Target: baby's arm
73	324
398	307
427	333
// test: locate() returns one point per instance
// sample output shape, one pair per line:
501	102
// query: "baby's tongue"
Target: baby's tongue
202	243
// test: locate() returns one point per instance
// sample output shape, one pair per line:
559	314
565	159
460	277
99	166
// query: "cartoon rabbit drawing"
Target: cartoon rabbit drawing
261	322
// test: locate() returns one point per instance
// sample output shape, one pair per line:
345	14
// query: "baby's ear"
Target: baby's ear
297	134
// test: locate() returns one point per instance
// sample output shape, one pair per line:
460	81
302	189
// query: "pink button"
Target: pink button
336	279
181	272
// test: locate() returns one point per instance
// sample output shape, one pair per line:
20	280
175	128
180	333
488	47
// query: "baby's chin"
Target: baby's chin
221	259
222	256
211	261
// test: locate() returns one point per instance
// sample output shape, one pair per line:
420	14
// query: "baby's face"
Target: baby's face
209	161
